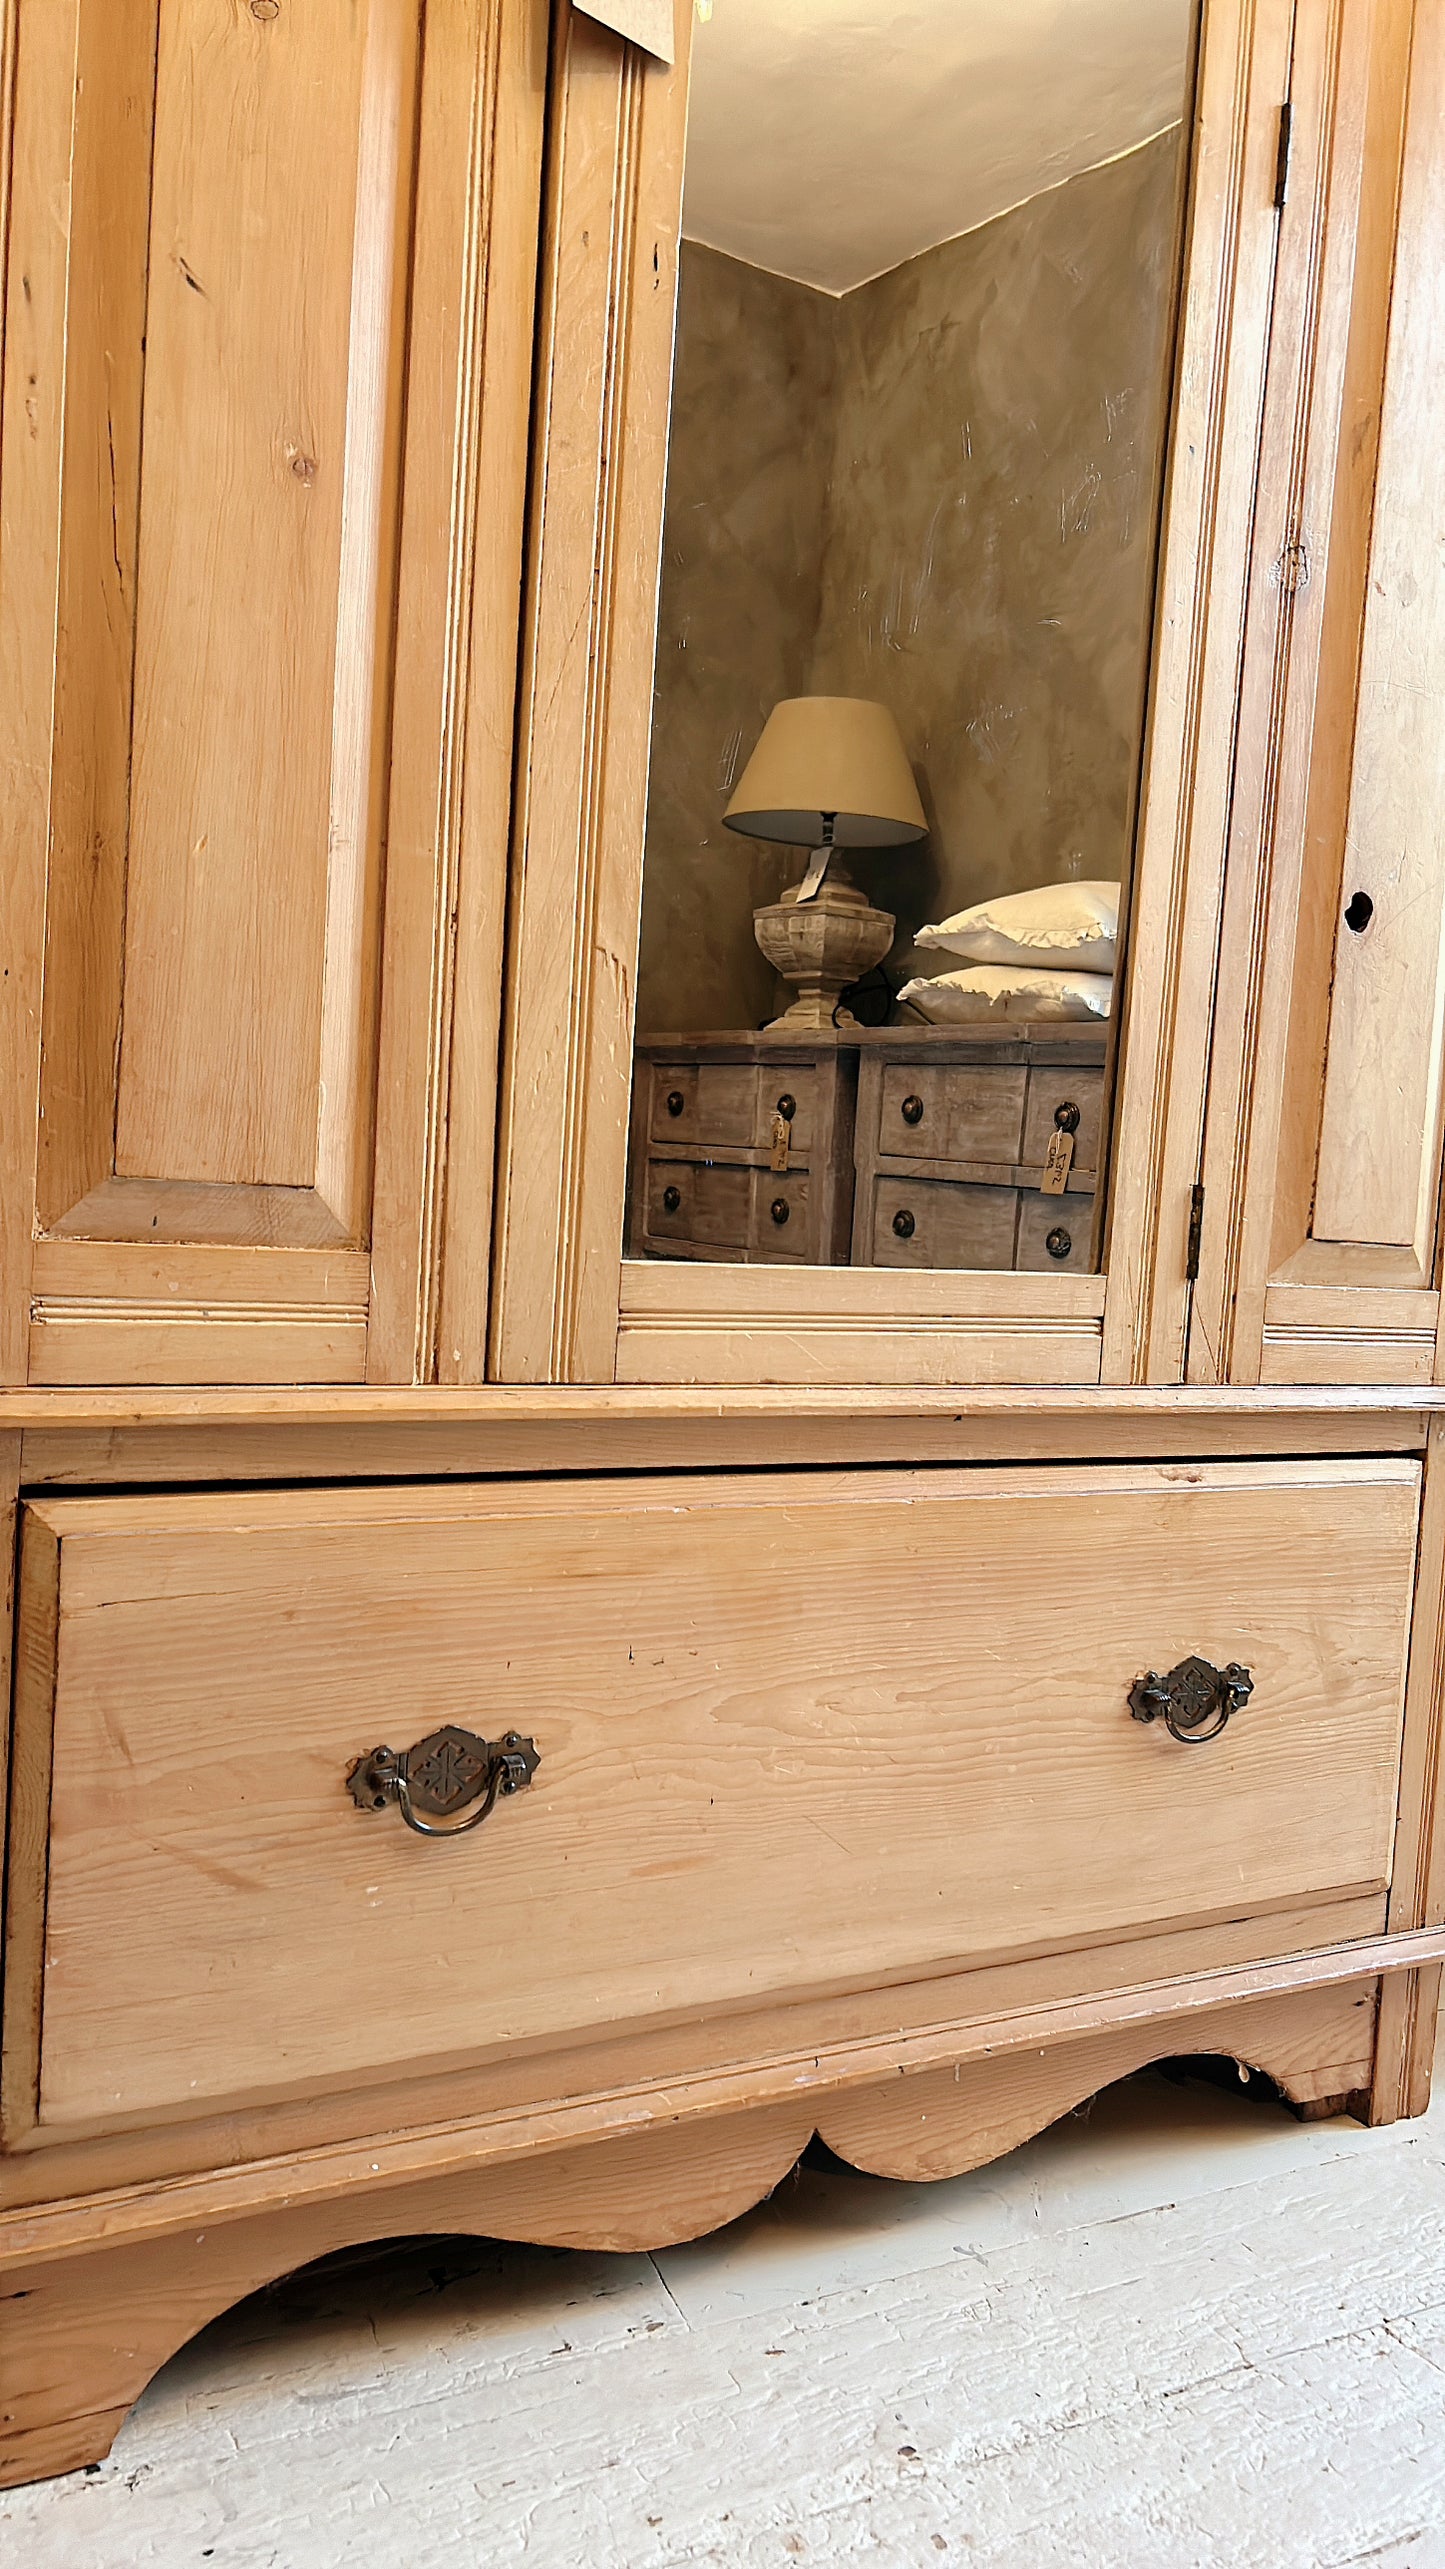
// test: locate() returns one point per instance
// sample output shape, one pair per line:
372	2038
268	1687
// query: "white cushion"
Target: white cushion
997	990
1055	924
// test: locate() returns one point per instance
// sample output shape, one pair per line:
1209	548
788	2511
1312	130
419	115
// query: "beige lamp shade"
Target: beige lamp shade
829	757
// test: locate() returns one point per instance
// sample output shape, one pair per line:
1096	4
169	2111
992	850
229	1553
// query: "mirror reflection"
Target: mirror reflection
928	298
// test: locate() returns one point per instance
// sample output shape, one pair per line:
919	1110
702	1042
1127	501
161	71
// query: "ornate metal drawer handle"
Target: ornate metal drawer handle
1194	1701
444	1773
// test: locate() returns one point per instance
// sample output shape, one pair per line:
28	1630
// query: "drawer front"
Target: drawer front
942	1222
960	1111
718	1207
796	1733
731	1105
1052	1092
1056	1232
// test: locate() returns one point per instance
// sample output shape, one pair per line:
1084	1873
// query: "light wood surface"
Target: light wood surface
220	526
768	1325
46	2230
440	1450
86	2333
941	2122
458	621
608	295
703	2063
570	1406
1166	996
1408	2006
767	1712
1319	1254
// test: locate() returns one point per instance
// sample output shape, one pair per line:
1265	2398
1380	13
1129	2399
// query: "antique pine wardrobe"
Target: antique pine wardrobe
803	1623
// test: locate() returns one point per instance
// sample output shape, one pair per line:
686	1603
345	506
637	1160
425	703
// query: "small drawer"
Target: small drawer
951	1111
1077	1095
730	1105
797	1733
941	1222
756	1214
1056	1232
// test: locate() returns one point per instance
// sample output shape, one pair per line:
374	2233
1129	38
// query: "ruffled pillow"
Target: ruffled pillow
997	990
1057	924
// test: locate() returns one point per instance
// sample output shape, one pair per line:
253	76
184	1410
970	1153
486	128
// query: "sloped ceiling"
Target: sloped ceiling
829	140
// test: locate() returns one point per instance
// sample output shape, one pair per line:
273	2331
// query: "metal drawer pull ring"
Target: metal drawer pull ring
445	1772
1194	1701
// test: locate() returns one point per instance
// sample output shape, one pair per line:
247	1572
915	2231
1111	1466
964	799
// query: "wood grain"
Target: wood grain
87	2332
856	2033
609	285
1378	1176
944	2121
438	1449
1409	2004
1058	1413
1358	220
1168	992
459	613
265	278
759	1775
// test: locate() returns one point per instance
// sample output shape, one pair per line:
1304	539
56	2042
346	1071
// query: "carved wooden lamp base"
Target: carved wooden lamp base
822	945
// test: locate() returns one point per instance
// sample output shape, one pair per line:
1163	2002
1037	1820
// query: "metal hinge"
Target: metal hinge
1281	160
1196	1232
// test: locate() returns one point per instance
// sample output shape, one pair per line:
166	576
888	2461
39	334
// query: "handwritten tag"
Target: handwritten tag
644	22
782	1137
1058	1160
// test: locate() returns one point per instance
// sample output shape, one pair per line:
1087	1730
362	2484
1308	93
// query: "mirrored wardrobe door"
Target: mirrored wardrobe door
886	779
927	300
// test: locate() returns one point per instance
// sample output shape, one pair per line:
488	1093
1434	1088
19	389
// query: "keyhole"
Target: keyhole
1359	911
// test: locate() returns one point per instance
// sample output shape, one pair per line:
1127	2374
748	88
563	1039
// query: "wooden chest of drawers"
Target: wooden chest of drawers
951	1138
908	1147
743	1148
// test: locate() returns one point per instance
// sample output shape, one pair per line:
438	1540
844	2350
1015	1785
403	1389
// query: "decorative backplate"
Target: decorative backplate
444	1774
1194	1701
447	1769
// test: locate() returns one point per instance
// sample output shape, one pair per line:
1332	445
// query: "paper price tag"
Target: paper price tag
1058	1161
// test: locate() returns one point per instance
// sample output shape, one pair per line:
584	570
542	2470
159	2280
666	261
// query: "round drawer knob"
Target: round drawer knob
781	1210
912	1110
675	1101
1067	1116
1059	1243
904	1224
671	1198
787	1106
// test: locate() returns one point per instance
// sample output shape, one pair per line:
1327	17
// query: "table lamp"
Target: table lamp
828	772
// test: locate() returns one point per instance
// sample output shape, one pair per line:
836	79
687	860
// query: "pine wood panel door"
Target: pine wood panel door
1323	1147
268	307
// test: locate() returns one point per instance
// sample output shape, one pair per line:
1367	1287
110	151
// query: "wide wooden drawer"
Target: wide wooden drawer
797	1733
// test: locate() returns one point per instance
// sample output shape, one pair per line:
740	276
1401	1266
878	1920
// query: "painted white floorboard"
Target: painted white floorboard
1181	2331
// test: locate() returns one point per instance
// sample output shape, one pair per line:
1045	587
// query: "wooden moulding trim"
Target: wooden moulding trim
711	1296
74	2225
627	1404
1343	1354
1228	288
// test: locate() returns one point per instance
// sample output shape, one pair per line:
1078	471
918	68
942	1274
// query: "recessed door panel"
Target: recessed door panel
258	256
